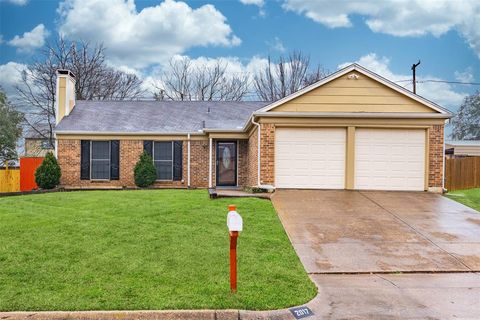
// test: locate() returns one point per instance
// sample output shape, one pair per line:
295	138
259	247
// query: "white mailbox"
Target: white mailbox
234	221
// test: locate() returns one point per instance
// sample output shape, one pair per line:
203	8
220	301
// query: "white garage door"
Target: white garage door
389	159
310	158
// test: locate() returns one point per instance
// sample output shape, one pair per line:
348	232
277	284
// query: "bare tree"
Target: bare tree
182	80
95	80
286	76
176	81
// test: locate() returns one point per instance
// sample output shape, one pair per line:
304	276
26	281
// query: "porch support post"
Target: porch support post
210	164
188	160
350	159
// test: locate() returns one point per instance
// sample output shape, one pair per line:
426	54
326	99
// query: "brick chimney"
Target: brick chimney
65	95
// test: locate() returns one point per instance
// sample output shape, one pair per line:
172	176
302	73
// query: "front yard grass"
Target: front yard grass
149	249
470	197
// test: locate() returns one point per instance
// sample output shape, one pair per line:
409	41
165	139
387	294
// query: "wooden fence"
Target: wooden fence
9	180
462	173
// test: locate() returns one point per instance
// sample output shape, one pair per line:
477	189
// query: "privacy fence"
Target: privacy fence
14	179
9	179
462	173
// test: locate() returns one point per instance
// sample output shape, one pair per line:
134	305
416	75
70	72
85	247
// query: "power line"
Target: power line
442	81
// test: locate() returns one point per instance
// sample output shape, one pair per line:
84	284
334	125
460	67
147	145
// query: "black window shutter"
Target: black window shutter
85	160
114	160
177	160
148	147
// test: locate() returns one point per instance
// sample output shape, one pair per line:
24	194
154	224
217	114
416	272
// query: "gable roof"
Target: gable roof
42	131
364	71
156	117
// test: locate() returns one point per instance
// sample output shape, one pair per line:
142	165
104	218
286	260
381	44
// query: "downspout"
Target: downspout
56	145
210	165
188	160
443	163
269	187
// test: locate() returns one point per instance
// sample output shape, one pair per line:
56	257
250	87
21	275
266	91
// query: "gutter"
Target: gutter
139	133
399	115
239	130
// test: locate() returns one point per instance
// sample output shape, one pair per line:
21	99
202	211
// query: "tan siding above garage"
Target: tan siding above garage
351	94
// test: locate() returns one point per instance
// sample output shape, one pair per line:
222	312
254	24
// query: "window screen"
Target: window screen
100	168
163	160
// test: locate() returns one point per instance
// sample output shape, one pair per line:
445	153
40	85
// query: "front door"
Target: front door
226	163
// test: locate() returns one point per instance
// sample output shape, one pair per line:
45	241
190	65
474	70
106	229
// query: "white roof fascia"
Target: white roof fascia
422	115
128	133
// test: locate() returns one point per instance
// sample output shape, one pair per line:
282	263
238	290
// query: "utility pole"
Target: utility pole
414	81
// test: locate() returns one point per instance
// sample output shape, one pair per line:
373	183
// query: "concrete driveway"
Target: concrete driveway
370	253
370	231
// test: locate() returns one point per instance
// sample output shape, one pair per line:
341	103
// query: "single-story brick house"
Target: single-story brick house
351	130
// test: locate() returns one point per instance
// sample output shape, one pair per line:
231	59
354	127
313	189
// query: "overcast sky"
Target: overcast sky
140	36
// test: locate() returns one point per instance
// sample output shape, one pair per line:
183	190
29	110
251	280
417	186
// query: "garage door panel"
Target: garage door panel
310	158
390	159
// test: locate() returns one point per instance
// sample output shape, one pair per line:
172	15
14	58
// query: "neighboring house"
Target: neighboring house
35	143
350	130
462	148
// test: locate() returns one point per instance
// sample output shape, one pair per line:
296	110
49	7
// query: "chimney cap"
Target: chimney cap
66	72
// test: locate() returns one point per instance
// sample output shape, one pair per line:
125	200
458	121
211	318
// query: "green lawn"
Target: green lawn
152	249
470	197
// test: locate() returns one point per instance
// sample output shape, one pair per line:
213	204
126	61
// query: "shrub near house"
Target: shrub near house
145	173
47	176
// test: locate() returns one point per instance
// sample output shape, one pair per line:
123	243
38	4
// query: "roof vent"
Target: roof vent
208	109
203	124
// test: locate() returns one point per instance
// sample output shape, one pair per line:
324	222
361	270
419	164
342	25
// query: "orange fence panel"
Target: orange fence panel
28	165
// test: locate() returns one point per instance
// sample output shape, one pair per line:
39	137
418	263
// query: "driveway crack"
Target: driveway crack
389	281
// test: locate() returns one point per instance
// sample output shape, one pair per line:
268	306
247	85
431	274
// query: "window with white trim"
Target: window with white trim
100	160
163	159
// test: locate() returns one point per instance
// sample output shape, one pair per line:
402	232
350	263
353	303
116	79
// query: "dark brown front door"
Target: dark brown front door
226	163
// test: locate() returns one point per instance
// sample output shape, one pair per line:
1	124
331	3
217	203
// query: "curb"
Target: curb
123	315
282	314
228	314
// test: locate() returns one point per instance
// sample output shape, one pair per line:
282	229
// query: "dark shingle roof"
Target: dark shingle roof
42	131
157	116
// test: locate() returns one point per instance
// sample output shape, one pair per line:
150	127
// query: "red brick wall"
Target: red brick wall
252	160
243	159
267	153
198	163
435	156
130	151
